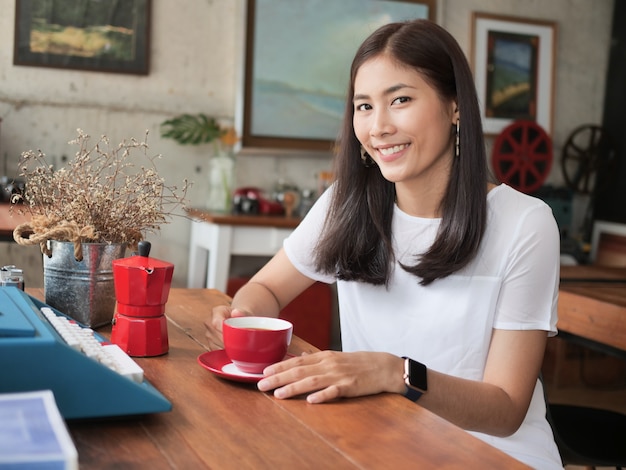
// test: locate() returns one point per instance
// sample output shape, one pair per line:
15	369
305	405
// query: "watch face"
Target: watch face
417	375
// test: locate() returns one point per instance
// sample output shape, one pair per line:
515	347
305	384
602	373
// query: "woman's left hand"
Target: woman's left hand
328	375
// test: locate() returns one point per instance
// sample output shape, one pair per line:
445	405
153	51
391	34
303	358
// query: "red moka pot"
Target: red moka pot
142	286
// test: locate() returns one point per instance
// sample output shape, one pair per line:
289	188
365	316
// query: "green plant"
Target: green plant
192	129
196	129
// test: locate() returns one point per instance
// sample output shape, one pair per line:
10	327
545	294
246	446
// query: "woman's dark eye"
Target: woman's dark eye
402	99
363	107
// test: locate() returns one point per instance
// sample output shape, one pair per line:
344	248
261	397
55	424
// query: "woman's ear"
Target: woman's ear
455	113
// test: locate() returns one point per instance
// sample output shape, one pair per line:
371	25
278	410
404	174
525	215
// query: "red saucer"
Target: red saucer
219	363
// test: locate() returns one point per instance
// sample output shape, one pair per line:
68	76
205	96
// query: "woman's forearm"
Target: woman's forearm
256	299
474	406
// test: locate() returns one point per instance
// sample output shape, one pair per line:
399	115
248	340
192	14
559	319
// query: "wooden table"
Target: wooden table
217	237
9	221
592	306
216	423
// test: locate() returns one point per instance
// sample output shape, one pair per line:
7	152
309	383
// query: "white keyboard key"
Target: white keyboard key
123	363
83	339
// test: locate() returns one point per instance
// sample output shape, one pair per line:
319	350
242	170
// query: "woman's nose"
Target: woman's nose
381	124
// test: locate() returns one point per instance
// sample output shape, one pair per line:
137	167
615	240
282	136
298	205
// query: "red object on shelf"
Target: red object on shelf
251	200
310	312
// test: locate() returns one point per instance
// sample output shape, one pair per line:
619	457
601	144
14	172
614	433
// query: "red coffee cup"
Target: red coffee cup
253	343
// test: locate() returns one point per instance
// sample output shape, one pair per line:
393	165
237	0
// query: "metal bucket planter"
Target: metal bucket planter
83	290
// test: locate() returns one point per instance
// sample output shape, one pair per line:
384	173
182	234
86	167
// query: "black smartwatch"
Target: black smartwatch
414	378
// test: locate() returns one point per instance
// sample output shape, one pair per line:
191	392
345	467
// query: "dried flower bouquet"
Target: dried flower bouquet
101	196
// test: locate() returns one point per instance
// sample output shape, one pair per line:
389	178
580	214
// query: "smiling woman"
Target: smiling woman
447	283
407	130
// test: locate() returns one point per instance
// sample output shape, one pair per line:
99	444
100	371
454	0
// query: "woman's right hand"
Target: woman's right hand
269	290
213	325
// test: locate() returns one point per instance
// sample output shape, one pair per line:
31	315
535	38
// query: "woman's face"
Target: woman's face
403	124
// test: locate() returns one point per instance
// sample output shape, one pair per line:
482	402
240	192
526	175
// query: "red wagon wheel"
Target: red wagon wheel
522	156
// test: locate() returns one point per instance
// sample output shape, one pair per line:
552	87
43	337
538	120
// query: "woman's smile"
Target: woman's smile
388	153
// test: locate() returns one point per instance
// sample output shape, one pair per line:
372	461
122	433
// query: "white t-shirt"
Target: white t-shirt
511	284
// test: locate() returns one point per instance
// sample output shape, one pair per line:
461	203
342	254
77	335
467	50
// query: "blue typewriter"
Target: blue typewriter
43	349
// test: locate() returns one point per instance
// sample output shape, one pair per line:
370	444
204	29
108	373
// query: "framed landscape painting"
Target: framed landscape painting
298	56
513	61
95	35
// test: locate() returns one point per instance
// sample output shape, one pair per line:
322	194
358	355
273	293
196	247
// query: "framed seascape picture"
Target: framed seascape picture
297	65
95	35
513	62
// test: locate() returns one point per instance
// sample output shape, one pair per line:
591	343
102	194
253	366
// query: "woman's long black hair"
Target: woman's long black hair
356	241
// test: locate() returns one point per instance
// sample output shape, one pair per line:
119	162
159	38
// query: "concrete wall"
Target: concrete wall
196	59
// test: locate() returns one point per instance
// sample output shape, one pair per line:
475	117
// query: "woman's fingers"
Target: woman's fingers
328	375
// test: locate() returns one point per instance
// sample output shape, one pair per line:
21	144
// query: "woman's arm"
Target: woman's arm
272	288
266	294
496	406
499	403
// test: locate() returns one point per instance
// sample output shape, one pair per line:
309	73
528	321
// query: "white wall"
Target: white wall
196	48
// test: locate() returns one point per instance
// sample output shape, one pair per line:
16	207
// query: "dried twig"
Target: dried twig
101	192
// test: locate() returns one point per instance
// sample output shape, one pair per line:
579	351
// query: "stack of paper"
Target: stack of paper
33	434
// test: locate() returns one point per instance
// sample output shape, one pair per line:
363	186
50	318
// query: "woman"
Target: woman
447	283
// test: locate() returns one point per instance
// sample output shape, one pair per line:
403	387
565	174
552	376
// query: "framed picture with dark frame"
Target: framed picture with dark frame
93	35
513	62
297	63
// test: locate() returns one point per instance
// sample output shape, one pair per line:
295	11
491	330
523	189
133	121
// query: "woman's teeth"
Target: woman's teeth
392	150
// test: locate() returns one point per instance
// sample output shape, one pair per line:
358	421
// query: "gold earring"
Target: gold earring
366	159
457	145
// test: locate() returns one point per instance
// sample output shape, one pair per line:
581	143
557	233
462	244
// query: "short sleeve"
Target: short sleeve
300	245
529	294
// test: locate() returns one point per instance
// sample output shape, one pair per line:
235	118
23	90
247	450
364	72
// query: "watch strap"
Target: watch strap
412	394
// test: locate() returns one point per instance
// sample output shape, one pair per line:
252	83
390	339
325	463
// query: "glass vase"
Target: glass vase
221	176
